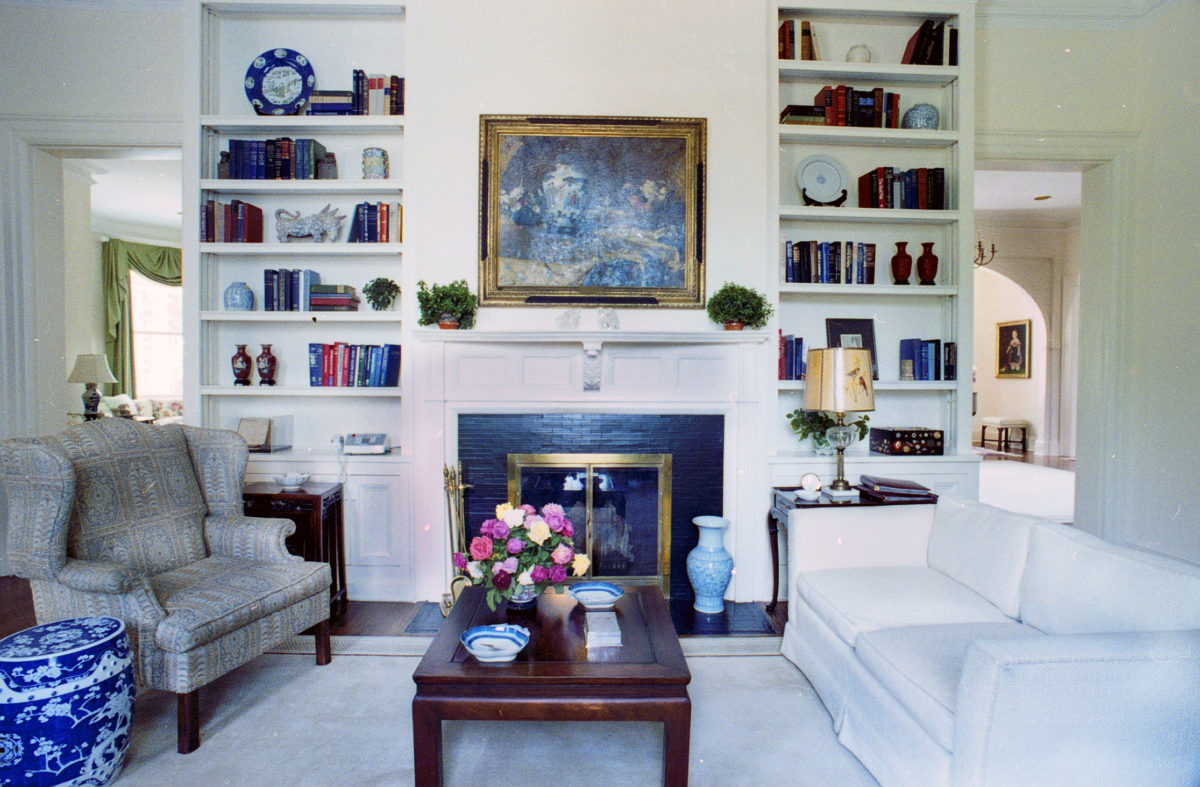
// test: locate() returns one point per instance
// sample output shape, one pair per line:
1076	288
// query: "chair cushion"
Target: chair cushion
982	547
137	501
217	595
921	666
853	600
1075	583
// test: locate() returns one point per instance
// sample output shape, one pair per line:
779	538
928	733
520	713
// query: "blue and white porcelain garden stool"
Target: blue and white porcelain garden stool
66	702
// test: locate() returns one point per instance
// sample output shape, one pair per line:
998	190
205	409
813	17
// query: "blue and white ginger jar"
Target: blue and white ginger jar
921	116
66	703
709	566
238	298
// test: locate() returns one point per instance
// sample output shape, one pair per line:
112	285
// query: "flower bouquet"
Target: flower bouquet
520	552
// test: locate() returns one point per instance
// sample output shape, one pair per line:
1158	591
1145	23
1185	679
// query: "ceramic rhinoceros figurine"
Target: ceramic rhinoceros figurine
318	227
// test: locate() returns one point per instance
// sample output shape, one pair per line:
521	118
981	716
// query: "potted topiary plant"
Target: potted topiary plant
815	423
737	306
450	305
381	293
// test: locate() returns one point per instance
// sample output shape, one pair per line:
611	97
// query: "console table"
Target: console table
784	502
316	508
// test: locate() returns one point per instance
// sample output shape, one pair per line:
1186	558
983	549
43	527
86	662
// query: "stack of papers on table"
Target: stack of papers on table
603	630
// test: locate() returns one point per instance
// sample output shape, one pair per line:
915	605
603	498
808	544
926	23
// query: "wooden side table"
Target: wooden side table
784	501
316	508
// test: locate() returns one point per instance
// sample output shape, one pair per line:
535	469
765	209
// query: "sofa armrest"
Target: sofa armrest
249	537
822	537
1080	709
102	588
93	576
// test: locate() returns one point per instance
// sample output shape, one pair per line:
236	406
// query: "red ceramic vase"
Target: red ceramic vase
927	264
266	364
241	361
901	264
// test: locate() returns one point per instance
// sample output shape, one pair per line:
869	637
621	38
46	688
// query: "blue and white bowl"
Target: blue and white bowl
501	642
596	595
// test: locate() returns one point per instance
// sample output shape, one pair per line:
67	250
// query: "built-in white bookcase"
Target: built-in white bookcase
941	311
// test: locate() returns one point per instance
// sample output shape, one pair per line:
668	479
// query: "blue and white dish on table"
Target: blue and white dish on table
498	643
279	82
596	595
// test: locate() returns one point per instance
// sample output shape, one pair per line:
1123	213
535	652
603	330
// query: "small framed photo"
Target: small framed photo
853	332
1012	349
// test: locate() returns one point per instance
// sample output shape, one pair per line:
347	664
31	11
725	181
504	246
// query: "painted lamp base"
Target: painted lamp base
709	566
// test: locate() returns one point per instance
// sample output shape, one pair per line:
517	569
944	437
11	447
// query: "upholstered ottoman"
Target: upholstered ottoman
66	702
1004	427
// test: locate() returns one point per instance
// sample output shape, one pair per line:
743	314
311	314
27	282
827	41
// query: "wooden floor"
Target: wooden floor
376	618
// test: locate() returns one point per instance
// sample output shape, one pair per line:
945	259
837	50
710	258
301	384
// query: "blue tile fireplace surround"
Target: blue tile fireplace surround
696	444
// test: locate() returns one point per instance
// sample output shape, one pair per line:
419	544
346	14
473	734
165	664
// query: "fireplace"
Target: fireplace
684	451
620	505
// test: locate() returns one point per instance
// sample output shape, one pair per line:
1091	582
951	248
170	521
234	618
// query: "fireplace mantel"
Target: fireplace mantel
587	338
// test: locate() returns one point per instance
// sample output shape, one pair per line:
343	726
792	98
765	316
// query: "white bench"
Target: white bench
1003	431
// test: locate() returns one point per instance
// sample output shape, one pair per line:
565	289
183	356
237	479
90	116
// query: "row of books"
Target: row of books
787	41
370	94
230	222
919	188
932	44
792	363
294	290
822	262
847	106
894	490
372	223
282	158
353	365
928	359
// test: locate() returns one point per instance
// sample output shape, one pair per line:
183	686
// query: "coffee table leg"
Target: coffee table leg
677	736
427	743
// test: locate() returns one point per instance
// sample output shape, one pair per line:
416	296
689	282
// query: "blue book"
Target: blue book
797	358
788	360
315	360
908	359
268	290
391	365
858	265
307	279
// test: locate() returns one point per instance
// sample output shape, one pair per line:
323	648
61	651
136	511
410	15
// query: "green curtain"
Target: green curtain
157	263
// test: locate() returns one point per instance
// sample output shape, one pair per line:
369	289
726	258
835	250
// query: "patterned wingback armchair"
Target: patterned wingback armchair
144	523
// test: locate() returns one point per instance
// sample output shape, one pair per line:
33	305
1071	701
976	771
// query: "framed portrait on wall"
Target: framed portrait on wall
591	210
1012	349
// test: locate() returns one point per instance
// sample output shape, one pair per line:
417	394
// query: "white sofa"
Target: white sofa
961	644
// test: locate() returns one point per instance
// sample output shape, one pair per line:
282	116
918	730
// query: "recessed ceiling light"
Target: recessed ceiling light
1042	197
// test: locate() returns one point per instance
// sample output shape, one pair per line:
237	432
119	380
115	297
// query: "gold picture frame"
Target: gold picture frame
1012	348
581	210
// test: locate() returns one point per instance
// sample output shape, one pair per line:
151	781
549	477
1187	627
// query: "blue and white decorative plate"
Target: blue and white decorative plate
279	82
501	642
596	595
822	177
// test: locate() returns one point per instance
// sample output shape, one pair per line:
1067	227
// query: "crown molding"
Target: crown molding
156	235
124	6
1071	14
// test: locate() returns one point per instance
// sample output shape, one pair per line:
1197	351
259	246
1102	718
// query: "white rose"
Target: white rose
474	570
513	517
524	578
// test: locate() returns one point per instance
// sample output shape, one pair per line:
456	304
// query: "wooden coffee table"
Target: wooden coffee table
555	677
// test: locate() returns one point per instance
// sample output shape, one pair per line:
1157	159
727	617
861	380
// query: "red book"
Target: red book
864	190
922	188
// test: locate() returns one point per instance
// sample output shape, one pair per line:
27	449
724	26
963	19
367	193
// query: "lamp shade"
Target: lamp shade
839	380
91	369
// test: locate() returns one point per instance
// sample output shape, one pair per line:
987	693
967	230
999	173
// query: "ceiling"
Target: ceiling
1010	194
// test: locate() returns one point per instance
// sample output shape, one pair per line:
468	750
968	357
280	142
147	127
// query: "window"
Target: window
157	313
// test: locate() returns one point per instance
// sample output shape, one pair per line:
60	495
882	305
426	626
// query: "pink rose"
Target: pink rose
515	545
481	547
568	529
539	574
508	566
486	529
501	580
500	531
552	508
528	509
558	574
555	522
460	560
562	554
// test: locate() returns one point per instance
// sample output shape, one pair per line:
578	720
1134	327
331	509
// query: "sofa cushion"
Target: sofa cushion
921	665
853	600
1075	583
214	596
137	501
982	547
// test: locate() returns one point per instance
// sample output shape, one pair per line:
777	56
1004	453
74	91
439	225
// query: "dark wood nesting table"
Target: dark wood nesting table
555	677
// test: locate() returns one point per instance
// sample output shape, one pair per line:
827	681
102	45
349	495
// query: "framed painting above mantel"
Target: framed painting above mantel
579	210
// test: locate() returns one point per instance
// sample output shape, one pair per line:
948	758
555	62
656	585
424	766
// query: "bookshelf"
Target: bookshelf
336	38
940	311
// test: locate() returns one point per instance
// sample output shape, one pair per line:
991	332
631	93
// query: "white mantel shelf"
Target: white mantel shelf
593	337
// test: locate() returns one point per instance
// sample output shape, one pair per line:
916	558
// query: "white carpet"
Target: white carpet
1028	489
281	720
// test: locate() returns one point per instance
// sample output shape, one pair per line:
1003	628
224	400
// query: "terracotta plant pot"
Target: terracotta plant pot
901	264
448	325
927	264
734	326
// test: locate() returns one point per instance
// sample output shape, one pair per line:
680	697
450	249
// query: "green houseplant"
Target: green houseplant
381	293
446	303
735	306
814	423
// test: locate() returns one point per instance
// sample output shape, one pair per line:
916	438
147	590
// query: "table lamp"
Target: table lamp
91	369
839	382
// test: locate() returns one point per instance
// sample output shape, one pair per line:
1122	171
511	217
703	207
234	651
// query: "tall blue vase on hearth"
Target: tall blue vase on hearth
709	566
